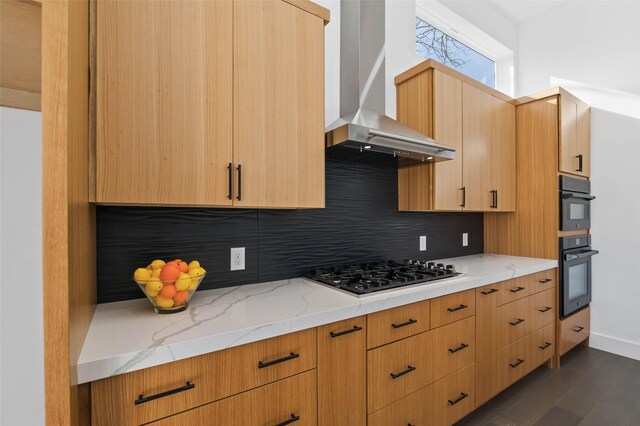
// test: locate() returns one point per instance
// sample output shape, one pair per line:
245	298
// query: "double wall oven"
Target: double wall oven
575	204
575	273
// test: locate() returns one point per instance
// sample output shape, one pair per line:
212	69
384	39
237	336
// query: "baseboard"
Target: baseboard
615	345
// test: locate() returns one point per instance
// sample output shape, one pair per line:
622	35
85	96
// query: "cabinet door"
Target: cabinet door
503	155
486	342
278	105
568	136
476	155
342	385
583	146
447	130
164	102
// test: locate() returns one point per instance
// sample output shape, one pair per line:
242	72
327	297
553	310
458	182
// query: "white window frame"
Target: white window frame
445	20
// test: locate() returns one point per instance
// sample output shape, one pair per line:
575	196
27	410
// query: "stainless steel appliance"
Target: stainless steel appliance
575	203
368	278
362	124
575	273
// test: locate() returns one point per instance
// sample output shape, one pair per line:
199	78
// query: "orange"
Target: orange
177	260
183	266
169	273
181	297
168	291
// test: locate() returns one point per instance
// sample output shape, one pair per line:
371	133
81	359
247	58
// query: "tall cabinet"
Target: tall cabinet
477	121
212	103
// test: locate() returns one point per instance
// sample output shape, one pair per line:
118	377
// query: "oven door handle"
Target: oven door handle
568	195
589	253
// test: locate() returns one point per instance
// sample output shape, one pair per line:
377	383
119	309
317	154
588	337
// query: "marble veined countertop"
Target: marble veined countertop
128	336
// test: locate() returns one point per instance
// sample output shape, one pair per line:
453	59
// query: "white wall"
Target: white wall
591	48
21	335
594	42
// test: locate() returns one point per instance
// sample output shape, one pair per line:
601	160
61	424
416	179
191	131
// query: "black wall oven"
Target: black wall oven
575	203
575	273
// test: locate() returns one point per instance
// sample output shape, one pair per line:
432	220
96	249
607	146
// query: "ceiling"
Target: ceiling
522	10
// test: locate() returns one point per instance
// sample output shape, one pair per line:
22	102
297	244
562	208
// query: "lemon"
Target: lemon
156	272
194	264
196	275
183	281
141	275
153	287
164	302
157	264
152	294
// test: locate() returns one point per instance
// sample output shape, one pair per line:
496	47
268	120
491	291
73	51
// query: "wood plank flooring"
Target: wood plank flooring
593	388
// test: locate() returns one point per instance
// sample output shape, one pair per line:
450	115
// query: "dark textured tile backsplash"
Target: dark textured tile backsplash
359	224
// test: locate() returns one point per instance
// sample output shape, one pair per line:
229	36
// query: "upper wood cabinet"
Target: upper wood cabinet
478	122
213	103
574	149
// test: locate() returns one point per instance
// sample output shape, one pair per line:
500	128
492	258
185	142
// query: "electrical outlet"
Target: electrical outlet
423	243
465	239
237	258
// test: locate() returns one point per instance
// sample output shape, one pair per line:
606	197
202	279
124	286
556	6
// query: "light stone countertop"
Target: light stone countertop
128	336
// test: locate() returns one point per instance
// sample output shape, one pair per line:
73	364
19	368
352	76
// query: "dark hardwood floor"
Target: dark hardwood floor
592	388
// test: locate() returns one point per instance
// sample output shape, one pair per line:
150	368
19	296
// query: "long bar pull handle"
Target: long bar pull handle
402	373
518	321
578	329
457	308
517	363
464	196
142	399
289	357
342	333
496	206
546	280
516	289
459	348
290	420
579	169
490	291
462	396
545	346
239	168
230	169
545	309
404	324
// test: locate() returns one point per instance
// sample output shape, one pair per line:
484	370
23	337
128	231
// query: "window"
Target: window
433	43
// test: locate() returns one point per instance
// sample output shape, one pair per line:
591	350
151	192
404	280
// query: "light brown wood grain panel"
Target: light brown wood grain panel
503	154
20	54
408	360
268	405
574	329
541	281
543	308
68	219
476	156
342	373
583	136
514	289
513	362
447	130
215	376
164	102
454	347
278	111
397	323
312	8
543	344
414	101
486	342
514	321
568	135
454	397
453	307
415	409
533	230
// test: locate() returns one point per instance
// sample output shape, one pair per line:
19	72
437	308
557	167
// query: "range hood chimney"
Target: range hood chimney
362	124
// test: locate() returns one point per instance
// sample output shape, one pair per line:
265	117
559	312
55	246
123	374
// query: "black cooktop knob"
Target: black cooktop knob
440	265
430	265
451	268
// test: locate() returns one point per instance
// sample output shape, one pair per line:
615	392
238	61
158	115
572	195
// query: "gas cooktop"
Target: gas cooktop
368	278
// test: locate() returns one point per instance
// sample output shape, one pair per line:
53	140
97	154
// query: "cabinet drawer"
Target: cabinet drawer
394	324
543	308
454	307
398	369
213	376
541	281
513	362
414	409
454	347
543	344
273	404
513	322
574	330
513	290
454	397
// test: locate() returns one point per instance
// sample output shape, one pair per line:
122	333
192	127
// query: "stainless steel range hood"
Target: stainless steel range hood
362	124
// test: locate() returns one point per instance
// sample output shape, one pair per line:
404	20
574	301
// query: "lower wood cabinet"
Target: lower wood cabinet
290	400
574	330
426	363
